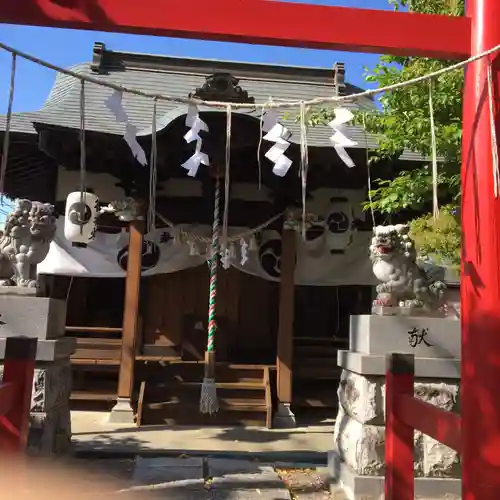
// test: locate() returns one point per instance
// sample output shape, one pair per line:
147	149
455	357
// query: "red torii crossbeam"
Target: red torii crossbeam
322	27
256	22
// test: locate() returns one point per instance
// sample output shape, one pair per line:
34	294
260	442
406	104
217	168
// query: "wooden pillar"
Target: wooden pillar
284	416
122	412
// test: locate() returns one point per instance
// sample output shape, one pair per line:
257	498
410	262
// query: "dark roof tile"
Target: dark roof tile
62	105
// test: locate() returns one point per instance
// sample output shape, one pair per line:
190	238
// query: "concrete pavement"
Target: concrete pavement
207	479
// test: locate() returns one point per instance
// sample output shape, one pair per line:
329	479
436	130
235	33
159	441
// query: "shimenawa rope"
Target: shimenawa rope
270	104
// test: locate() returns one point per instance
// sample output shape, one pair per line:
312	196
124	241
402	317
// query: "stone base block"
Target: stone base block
361	446
359	433
48	350
358	487
19	291
363	397
39	317
423	337
284	417
371	364
122	412
50	433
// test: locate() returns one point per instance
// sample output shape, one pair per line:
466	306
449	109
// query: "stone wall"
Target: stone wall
359	435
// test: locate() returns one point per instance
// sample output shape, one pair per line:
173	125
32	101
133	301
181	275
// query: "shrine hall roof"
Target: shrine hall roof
178	77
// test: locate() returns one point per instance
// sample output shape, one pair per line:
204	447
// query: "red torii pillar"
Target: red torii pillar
322	27
480	280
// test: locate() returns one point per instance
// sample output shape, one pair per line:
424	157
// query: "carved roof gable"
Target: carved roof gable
222	87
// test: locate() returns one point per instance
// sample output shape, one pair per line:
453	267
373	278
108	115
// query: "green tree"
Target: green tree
403	122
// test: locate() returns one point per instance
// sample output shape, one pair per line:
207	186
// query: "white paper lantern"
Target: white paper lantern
80	222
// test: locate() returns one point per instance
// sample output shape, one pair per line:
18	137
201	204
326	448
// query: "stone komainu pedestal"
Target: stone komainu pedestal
24	314
357	460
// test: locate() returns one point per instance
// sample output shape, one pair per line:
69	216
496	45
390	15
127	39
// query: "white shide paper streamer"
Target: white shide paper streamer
244	251
339	139
278	134
196	125
114	104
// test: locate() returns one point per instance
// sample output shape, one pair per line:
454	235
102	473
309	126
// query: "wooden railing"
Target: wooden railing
15	393
404	414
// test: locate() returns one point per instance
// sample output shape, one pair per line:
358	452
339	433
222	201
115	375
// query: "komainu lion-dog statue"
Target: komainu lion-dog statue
29	230
403	284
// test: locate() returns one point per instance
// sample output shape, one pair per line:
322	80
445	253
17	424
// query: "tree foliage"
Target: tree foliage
403	123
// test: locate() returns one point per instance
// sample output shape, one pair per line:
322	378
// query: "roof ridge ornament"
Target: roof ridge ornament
98	57
339	79
221	87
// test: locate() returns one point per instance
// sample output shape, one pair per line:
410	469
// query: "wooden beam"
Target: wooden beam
286	316
261	22
130	329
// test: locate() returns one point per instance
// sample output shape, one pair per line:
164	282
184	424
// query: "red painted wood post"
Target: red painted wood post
19	369
480	279
399	476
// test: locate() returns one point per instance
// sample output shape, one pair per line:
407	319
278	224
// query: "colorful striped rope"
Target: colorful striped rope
212	301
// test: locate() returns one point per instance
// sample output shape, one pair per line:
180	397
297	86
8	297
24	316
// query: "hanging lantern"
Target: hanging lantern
80	221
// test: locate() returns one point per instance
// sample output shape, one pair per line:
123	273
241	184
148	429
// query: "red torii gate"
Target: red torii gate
322	27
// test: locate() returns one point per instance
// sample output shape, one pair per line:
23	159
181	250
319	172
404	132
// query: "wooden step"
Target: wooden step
230	404
93	395
97	354
179	405
179	416
193	372
190	392
246	402
92	362
97	349
112	343
149	358
92	329
247	386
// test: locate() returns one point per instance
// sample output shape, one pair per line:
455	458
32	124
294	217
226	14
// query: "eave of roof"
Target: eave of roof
178	77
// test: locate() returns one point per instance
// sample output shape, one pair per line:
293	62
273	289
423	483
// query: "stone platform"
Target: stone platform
24	314
357	461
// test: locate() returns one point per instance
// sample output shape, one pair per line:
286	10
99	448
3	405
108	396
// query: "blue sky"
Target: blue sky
68	47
